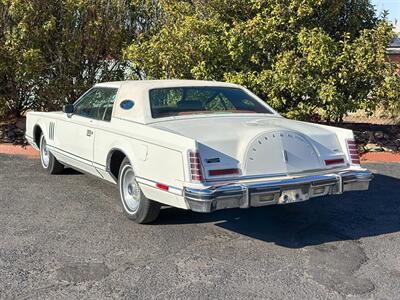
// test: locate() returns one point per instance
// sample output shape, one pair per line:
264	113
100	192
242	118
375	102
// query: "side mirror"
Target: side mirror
68	109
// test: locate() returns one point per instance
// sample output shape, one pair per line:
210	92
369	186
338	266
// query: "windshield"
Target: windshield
167	102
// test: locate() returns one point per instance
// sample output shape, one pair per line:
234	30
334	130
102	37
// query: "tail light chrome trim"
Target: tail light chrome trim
195	167
353	151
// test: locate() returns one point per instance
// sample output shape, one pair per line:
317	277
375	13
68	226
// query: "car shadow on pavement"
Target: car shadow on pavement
349	216
70	171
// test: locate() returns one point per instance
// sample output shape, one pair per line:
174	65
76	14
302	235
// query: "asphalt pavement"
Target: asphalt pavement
65	237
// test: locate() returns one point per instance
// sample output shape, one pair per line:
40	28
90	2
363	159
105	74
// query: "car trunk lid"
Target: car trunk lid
257	146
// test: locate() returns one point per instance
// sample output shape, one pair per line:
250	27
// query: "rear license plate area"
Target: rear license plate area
294	195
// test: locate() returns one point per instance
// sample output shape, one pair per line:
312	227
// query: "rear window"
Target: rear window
167	102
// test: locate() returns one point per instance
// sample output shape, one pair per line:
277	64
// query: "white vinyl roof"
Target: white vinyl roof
138	92
151	84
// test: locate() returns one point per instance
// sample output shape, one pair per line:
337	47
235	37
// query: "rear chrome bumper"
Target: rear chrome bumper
271	192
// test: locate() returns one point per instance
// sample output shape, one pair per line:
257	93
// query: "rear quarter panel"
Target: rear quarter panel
155	155
343	135
37	120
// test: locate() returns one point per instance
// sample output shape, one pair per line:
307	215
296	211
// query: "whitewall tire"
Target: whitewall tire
134	203
47	159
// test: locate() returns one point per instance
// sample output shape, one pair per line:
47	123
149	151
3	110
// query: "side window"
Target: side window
97	104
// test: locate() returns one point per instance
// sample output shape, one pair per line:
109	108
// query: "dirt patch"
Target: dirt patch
27	151
380	157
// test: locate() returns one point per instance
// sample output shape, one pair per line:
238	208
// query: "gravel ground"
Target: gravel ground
66	237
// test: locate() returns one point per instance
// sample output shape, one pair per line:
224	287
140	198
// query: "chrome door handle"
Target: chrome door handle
89	132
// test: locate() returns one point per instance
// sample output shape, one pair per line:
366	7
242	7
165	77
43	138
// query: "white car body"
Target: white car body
278	160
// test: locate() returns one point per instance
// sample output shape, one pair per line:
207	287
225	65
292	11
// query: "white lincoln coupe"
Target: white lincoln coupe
195	145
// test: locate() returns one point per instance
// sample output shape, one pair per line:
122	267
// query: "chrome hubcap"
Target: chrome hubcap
44	153
130	190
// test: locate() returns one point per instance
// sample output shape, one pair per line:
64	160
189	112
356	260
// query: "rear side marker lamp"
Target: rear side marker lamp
162	186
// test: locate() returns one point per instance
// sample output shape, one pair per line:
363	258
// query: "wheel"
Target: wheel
135	204
49	162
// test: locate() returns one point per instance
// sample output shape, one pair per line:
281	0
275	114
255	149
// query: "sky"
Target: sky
393	6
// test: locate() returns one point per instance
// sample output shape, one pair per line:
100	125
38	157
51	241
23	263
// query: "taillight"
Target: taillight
222	172
353	152
195	169
330	162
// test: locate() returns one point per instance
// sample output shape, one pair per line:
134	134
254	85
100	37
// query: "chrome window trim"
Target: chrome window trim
81	98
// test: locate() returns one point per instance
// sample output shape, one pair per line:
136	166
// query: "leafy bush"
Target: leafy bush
302	57
52	51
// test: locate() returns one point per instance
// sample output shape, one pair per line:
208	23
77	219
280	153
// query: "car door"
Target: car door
78	130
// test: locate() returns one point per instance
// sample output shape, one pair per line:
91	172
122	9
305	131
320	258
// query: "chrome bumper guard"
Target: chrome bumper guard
284	191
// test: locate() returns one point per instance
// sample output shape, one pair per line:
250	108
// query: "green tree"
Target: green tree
52	51
302	56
